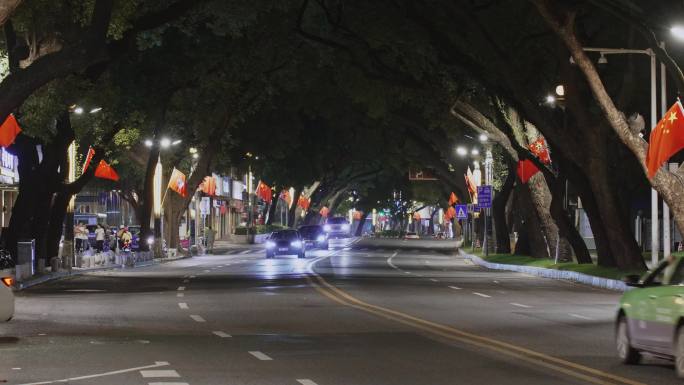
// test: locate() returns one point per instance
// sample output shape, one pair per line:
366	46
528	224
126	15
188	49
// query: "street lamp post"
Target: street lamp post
68	253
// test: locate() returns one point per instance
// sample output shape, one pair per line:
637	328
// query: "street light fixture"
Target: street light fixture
461	151
148	143
165	142
560	90
95	110
474	152
678	32
78	110
483	137
550	99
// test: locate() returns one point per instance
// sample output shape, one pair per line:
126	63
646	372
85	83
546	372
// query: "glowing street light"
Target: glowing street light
474	152
95	110
165	142
148	143
461	151
678	32
78	110
483	137
560	90
550	99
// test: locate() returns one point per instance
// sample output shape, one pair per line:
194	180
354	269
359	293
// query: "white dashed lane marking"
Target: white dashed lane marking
186	280
246	252
434	280
181	288
159	373
222	334
306	382
197	318
168	383
180	295
454	287
580	316
261	356
182	305
520	305
482	295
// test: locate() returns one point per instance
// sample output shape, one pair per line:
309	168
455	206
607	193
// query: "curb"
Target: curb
603	283
65	274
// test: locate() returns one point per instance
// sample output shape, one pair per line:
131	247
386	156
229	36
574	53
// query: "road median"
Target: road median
567	275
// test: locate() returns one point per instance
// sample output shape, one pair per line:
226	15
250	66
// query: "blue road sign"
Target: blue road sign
461	211
484	196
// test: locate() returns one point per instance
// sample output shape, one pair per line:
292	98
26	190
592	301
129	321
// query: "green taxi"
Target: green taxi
651	315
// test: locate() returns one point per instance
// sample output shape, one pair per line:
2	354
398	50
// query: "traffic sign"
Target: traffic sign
484	196
461	211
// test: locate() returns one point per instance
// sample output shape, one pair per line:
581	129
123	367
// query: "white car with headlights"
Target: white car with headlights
285	242
6	293
337	227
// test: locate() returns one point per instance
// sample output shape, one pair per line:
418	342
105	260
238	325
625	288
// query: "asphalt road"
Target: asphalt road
376	312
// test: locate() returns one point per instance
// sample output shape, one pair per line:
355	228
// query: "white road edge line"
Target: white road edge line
520	305
183	305
168	383
222	334
306	382
482	295
159	374
580	316
260	356
197	318
156	365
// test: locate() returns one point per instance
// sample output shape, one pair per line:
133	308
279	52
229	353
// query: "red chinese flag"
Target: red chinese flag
324	212
264	192
526	170
177	183
453	199
89	157
9	131
451	212
666	139
540	150
209	185
285	195
304	202
106	171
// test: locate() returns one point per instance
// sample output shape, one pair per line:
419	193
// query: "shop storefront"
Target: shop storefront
9	185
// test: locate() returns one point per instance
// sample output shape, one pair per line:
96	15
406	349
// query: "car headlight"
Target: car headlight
327	228
270	244
346	227
296	244
320	238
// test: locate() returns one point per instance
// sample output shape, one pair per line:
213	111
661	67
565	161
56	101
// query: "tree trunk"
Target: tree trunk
292	210
147	198
503	239
362	222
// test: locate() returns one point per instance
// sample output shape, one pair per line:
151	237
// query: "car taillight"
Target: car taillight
8	281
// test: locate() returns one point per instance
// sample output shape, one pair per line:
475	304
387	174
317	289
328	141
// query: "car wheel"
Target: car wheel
679	353
628	355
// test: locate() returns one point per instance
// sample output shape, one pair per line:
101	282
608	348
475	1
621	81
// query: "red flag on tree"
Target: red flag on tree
304	202
209	186
666	139
9	131
177	183
540	150
450	213
264	192
106	171
526	170
89	157
453	199
285	195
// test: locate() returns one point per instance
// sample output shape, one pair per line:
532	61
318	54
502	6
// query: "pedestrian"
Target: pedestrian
118	236
209	237
81	236
77	238
125	239
99	238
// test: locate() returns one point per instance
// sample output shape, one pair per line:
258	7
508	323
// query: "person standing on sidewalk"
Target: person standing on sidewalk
99	238
209	235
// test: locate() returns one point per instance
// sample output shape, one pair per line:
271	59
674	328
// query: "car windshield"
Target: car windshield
337	221
310	231
285	235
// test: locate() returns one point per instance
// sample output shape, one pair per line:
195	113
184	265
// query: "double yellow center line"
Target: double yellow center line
569	368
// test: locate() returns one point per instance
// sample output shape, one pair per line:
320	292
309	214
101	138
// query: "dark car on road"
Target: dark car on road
285	242
314	236
337	227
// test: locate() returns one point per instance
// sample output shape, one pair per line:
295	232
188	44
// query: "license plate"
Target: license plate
282	249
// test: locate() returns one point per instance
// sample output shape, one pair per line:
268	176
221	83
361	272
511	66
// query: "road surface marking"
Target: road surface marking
407	272
261	356
560	365
156	365
482	295
433	280
520	305
306	382
454	287
246	252
180	295
16	368
186	281
85	290
419	275
496	281
389	260
181	288
183	305
207	271
197	318
222	334
192	276
580	316
159	373
168	383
